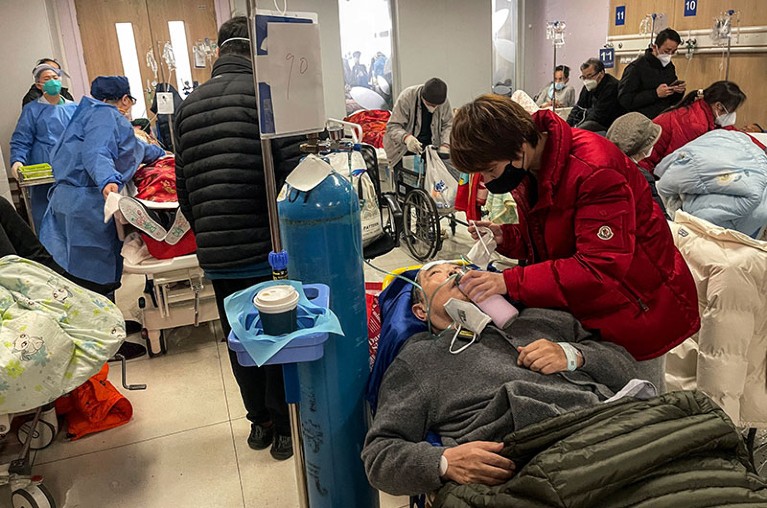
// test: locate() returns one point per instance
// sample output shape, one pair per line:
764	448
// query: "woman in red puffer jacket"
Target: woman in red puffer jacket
699	112
592	238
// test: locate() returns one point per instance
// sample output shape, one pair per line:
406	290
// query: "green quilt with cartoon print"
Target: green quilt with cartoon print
54	335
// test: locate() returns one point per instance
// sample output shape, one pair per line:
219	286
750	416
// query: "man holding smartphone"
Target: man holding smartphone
649	84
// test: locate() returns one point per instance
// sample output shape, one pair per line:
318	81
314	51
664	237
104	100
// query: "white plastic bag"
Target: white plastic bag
370	213
440	184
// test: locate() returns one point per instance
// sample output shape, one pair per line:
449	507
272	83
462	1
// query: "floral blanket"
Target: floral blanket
54	335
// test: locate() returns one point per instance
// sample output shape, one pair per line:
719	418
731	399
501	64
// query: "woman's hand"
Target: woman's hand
545	357
478	285
478	462
495	228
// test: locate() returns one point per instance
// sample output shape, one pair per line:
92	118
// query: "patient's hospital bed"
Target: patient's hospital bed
176	294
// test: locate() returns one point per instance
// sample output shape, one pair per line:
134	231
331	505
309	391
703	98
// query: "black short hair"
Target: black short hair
595	62
235	27
565	70
664	35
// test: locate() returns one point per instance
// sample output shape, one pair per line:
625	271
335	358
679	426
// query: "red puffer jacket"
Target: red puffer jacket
598	246
680	126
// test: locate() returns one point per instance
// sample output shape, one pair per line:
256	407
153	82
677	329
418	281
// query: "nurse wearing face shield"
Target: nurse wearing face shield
97	154
589	239
40	126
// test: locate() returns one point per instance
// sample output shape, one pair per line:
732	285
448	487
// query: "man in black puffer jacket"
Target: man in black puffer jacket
221	191
649	84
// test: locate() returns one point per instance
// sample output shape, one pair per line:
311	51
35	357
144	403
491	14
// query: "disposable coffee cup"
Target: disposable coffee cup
278	306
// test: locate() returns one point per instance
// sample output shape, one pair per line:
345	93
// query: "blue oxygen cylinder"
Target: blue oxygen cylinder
321	230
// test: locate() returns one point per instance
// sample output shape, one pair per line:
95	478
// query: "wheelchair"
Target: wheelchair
421	217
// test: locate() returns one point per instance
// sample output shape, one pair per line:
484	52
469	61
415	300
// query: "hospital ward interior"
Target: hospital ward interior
383	254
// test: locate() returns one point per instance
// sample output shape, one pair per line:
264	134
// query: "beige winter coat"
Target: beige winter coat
727	358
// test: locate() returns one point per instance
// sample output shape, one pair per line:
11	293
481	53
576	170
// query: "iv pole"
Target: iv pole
274	228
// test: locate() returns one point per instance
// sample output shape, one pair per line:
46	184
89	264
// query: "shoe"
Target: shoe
144	219
132	327
260	436
178	229
130	350
282	447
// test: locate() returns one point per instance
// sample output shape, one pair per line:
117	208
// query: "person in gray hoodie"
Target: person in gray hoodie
503	381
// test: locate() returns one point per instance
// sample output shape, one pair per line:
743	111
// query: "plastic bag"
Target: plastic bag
440	184
351	165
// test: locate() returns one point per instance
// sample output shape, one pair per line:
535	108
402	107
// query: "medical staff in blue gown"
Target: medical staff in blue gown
40	126
97	154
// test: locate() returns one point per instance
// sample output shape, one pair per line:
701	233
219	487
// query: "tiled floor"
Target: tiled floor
186	445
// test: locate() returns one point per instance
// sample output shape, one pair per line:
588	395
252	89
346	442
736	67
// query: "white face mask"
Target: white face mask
590	84
642	156
664	59
466	318
726	120
430	109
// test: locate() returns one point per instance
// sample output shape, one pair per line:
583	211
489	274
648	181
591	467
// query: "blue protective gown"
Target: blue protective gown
97	148
39	128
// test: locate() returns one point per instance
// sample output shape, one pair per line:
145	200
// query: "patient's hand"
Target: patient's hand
478	462
544	356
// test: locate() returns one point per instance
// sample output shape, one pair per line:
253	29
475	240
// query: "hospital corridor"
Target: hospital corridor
383	254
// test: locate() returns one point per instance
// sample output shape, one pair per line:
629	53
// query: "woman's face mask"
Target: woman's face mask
509	180
559	86
725	119
52	87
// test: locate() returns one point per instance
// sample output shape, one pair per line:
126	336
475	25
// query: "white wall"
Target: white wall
330	40
586	32
30	28
448	39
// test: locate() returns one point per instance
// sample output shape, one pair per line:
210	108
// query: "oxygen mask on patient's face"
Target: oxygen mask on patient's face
468	322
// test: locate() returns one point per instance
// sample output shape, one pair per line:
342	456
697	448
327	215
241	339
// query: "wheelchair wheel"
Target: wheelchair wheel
421	225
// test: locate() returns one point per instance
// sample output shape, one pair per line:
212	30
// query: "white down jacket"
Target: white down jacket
727	358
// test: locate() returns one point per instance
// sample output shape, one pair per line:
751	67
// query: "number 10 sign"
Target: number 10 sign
289	72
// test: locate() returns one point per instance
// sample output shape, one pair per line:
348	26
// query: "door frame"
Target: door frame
72	44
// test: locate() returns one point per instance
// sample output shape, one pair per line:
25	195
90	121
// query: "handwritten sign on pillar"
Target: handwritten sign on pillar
291	74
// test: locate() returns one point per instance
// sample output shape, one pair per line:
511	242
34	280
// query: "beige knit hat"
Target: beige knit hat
633	133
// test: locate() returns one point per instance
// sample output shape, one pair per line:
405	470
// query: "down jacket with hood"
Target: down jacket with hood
675	451
726	359
596	245
720	177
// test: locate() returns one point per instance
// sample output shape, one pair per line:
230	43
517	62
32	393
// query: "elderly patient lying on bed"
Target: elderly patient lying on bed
505	380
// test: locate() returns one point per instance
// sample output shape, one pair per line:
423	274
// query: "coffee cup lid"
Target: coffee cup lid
276	299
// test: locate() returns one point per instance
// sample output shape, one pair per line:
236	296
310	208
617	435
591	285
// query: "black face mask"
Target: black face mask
508	181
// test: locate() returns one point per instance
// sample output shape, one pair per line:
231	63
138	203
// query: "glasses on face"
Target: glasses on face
592	76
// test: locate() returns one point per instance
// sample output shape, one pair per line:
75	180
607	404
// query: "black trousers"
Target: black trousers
262	388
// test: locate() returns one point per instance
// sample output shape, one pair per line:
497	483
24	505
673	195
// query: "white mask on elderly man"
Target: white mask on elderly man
468	322
590	84
643	156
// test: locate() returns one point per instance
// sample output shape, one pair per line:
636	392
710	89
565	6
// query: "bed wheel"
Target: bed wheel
44	433
35	495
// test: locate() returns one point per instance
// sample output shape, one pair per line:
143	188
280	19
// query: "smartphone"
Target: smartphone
677	83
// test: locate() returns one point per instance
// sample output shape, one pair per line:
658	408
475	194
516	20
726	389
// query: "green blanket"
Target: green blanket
679	450
54	335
